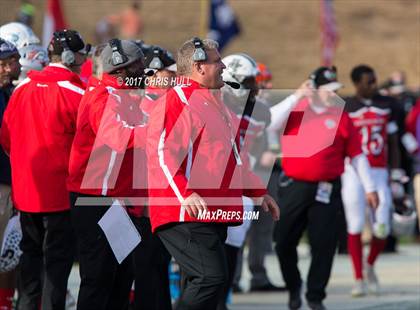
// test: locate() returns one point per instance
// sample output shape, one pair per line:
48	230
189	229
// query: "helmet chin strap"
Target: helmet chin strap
234	85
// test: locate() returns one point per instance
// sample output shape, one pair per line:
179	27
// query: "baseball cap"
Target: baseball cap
73	39
118	54
326	78
7	49
158	58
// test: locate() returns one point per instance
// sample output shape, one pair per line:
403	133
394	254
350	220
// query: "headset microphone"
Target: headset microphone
149	72
234	85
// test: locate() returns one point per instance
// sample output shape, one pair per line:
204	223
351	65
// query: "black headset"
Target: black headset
199	52
156	62
67	55
118	57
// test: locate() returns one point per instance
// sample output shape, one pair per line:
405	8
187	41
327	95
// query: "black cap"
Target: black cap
7	49
326	77
72	38
157	57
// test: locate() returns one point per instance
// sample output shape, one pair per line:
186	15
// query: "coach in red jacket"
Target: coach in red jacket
101	166
37	131
317	138
195	165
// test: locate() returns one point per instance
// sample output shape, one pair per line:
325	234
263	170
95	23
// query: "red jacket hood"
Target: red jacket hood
51	74
115	82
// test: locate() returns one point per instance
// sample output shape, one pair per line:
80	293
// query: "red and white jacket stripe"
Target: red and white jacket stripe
107	157
190	149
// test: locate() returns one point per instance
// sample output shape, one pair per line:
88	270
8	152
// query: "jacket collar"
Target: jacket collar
55	73
59	65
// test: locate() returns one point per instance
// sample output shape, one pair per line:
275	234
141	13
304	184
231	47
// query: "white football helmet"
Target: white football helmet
238	68
404	218
18	34
32	57
10	249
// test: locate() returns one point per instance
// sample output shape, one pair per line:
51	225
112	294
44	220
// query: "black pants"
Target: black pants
300	211
48	246
151	263
104	284
198	248
232	259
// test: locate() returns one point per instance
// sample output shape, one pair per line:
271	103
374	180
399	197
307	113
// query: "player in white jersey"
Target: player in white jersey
372	115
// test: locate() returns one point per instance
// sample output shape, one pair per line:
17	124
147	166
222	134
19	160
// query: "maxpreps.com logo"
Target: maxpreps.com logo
217	215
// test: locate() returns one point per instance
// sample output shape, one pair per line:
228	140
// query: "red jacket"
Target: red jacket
109	140
411	118
37	131
92	83
190	149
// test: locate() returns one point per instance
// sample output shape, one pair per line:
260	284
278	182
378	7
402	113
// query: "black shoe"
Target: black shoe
342	251
316	305
269	287
295	300
236	289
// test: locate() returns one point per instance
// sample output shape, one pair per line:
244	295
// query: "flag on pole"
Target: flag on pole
53	21
223	25
329	32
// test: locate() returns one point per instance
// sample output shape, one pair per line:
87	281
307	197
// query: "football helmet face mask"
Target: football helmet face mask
33	57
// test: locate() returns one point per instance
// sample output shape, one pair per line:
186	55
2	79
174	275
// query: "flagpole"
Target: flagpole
204	13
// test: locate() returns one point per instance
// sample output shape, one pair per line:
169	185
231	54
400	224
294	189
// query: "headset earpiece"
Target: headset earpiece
156	62
67	57
118	56
199	53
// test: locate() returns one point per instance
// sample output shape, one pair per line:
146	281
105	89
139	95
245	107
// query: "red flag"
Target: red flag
53	20
329	33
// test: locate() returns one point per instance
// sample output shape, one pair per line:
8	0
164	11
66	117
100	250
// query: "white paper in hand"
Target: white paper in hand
120	231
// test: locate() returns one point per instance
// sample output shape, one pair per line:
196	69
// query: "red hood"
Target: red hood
86	70
115	82
54	74
93	82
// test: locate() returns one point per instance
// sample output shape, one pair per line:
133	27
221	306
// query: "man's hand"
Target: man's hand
194	204
269	205
268	158
305	90
372	199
